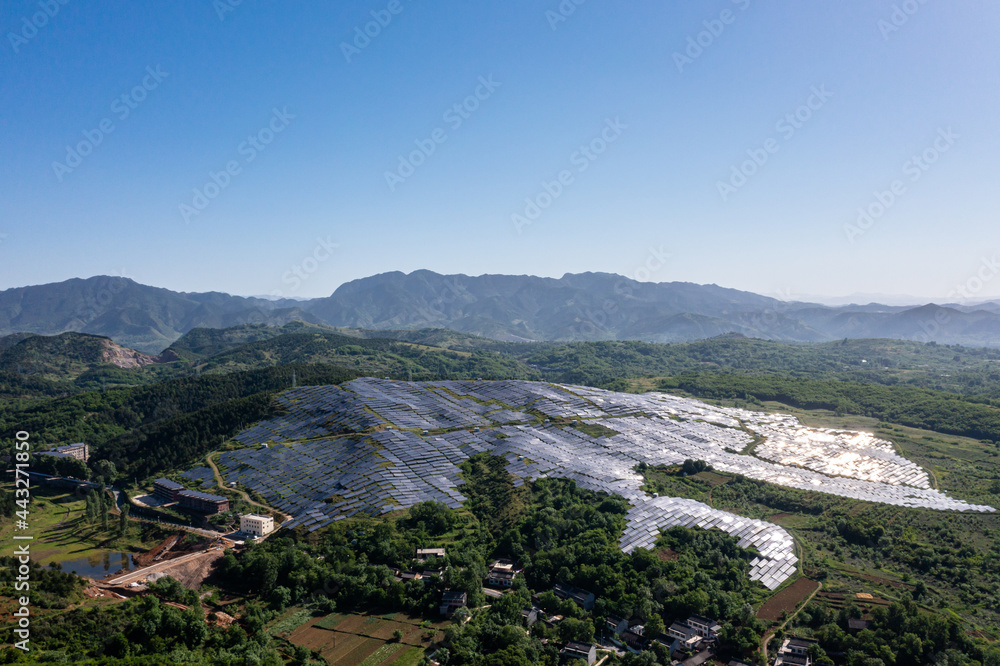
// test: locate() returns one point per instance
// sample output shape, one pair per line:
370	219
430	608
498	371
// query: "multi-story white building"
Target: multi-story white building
255	525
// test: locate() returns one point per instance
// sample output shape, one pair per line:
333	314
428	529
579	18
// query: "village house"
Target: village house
451	601
615	625
794	651
574	650
634	639
580	596
705	627
424	554
687	636
501	574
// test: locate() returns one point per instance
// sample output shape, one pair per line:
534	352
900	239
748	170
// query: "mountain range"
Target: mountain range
583	306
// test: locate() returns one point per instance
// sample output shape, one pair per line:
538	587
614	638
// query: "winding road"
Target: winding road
222	484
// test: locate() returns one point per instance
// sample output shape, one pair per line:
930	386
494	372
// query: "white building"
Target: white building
255	525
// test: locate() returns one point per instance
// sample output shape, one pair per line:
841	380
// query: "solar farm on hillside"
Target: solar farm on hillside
374	446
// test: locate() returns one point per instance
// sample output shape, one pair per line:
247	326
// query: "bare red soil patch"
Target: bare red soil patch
787	599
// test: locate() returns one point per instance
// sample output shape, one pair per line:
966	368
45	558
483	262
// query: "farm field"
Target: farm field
351	639
787	599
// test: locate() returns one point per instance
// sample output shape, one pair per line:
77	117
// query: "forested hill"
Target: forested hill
43	366
34	366
144	430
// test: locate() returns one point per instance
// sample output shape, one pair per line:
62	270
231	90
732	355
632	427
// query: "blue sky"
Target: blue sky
652	136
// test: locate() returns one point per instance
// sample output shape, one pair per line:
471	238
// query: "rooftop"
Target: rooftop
203	496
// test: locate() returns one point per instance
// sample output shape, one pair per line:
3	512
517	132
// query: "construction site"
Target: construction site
183	556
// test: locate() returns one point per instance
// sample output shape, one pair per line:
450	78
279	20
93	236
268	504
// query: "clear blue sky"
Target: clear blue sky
671	134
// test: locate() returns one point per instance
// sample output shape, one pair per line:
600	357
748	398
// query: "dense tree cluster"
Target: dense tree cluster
899	635
145	630
49	587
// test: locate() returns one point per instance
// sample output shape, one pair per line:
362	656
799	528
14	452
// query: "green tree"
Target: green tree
301	655
106	469
91	510
123	519
572	629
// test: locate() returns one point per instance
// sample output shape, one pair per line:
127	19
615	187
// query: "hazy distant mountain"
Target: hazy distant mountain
587	306
135	315
860	298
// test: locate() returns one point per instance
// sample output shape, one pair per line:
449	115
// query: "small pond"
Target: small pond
99	565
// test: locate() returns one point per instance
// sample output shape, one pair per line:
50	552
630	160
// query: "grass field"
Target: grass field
350	639
57	522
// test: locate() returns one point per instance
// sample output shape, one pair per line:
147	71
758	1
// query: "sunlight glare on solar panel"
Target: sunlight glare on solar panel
382	469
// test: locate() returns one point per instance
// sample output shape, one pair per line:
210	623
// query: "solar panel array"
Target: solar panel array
201	473
860	455
776	560
315	473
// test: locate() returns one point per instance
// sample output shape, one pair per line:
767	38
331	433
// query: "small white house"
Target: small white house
255	525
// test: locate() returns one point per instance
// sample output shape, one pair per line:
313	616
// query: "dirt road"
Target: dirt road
222	484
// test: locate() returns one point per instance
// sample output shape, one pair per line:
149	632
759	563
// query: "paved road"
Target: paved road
160	567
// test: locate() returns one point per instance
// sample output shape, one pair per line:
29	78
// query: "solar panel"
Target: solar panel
312	470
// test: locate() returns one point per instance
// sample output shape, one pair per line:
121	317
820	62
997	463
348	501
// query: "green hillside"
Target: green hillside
367	356
969	370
